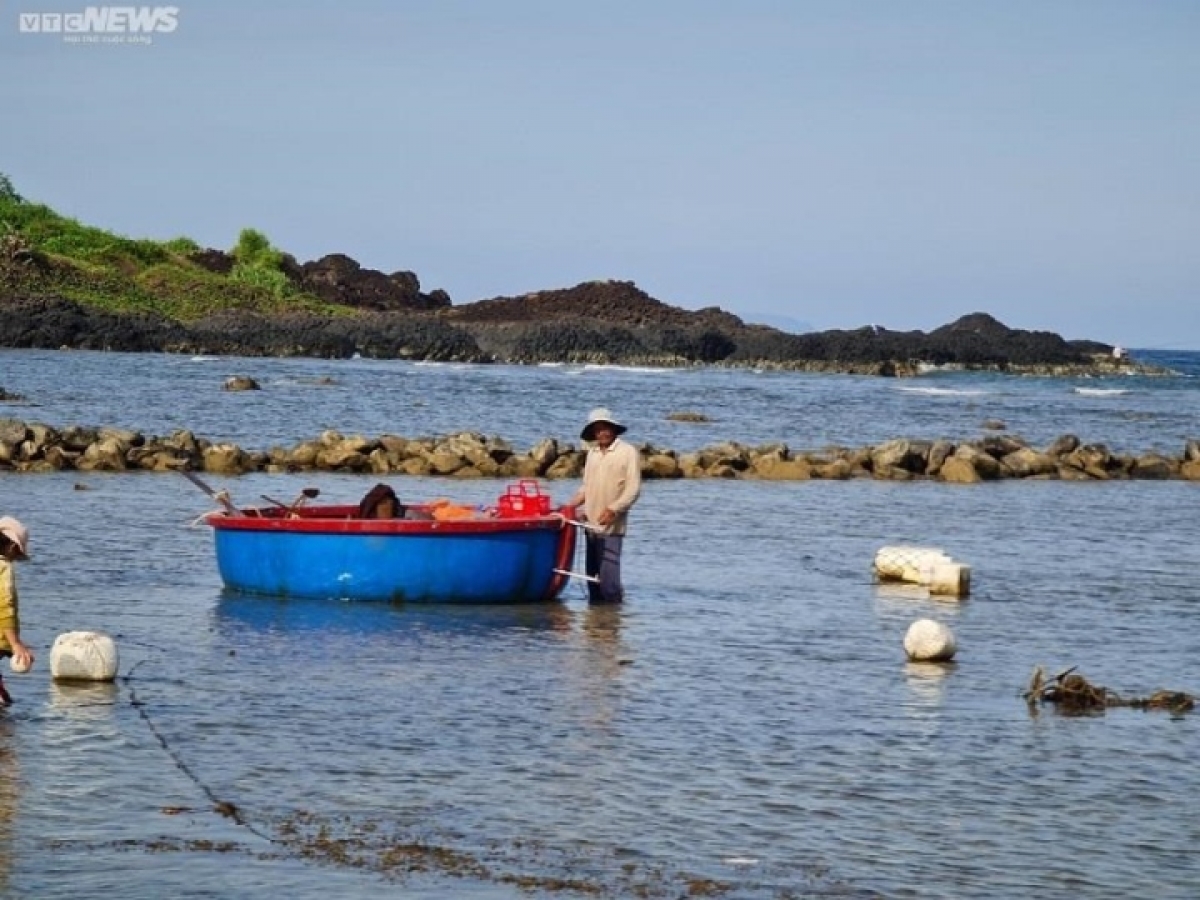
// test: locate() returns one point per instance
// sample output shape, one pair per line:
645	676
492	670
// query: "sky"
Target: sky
815	165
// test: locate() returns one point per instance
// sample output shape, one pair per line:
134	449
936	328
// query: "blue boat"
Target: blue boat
330	552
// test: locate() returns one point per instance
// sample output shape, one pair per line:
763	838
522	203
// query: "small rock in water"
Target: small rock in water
241	383
686	416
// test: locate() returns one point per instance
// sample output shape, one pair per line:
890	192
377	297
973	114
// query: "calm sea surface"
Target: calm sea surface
745	726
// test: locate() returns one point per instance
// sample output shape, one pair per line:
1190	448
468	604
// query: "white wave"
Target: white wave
941	392
1100	392
603	367
301	381
206	359
565	368
926	368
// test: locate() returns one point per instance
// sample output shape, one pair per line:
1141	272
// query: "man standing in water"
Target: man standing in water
612	481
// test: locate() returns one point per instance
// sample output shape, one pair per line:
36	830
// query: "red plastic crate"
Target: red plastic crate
525	498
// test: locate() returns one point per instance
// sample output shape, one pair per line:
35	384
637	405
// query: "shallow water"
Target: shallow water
748	717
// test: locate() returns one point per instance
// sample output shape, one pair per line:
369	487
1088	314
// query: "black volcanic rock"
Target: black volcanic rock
615	302
377	335
615	322
982	324
337	278
975	340
53	322
597	321
604	322
979	339
213	260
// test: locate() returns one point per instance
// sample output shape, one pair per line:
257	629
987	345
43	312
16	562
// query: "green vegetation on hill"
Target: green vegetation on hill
43	252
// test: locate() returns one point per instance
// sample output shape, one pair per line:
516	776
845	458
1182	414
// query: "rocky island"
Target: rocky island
67	285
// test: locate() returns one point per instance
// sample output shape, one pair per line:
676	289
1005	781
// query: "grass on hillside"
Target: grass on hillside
103	270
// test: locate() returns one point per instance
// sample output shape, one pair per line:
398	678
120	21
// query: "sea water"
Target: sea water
746	723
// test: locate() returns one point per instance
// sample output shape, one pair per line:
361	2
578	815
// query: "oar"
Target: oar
221	497
306	494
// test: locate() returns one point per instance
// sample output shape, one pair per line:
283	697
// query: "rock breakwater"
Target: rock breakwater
36	447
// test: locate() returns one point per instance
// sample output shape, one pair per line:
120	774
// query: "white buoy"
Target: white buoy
929	641
953	579
911	564
929	567
84	656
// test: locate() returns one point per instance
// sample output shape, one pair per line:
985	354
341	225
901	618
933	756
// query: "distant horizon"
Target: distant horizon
832	164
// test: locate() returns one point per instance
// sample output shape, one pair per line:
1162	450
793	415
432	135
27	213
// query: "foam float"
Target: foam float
930	641
928	567
84	656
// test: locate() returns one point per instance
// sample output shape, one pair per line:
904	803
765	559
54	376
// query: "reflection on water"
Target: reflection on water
926	685
84	701
11	780
236	611
79	730
602	661
602	628
897	593
894	597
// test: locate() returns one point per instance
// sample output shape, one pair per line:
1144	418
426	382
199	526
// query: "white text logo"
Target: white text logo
103	20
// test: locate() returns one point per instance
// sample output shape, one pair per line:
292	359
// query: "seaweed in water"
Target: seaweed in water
1072	694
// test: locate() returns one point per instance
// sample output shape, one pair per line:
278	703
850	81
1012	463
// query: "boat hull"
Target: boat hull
324	555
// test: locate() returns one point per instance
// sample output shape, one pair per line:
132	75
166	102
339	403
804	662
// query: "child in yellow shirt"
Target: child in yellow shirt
14	545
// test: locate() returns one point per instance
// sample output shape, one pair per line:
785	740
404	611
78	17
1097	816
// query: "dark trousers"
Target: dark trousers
604	562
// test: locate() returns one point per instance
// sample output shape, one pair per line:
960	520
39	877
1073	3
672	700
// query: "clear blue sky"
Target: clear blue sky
840	163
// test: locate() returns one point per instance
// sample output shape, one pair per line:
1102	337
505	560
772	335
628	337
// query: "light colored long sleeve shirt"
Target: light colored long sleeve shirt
612	479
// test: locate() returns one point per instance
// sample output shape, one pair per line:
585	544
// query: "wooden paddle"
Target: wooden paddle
306	494
221	497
